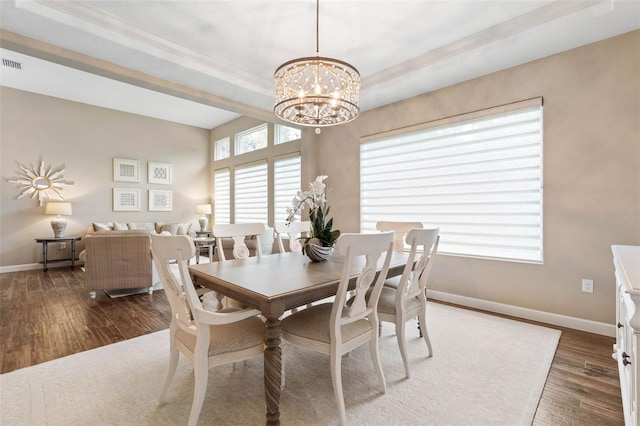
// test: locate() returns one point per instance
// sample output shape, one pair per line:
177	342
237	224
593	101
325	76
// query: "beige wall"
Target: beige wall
86	139
591	169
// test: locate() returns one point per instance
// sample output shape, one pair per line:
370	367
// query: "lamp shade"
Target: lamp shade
203	208
58	208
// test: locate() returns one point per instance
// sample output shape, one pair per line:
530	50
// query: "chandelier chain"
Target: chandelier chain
317	27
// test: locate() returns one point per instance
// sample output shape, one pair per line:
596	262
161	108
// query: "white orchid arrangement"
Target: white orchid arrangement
316	201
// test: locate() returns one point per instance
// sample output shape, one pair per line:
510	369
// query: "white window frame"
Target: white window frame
239	150
217	151
278	139
482	188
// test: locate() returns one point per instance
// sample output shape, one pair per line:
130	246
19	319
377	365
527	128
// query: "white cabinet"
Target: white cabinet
626	260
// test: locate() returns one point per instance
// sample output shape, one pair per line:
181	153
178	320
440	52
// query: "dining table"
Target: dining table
274	284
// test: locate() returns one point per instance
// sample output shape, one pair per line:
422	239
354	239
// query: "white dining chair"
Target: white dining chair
348	323
400	228
205	338
237	233
406	297
293	231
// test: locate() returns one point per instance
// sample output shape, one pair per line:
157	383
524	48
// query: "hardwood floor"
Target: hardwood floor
44	316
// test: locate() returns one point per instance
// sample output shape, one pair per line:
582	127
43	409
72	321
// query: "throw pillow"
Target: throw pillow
183	229
120	226
102	226
144	226
170	228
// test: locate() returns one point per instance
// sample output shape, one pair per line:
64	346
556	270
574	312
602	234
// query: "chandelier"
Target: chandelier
317	91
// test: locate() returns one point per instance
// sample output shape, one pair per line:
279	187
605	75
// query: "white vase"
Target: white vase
317	253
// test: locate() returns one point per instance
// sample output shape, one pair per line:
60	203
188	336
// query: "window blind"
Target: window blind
251	193
222	197
286	185
479	180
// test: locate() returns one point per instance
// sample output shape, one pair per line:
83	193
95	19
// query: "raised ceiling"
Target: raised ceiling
204	63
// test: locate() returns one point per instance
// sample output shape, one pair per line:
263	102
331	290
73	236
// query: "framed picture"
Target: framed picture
126	200
126	170
160	173
160	200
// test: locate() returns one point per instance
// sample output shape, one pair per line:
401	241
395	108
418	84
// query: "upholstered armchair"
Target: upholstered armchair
118	260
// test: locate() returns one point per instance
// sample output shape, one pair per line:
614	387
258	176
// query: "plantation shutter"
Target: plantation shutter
251	193
286	185
222	197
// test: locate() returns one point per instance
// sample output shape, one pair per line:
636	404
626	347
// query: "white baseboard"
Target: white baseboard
530	314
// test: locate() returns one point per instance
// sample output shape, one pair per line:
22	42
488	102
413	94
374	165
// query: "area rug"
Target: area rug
486	370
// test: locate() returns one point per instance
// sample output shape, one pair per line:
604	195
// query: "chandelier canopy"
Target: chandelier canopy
317	91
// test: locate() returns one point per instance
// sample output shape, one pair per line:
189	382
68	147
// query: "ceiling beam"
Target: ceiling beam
69	58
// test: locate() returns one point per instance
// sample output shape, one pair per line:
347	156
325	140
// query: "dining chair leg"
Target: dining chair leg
201	372
402	344
336	378
422	318
174	355
377	365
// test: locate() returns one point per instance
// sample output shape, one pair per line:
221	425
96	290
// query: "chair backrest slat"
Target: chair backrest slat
414	278
238	232
166	249
354	247
294	230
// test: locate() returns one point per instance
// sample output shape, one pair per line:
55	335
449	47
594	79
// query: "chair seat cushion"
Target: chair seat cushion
313	324
387	302
392	282
227	338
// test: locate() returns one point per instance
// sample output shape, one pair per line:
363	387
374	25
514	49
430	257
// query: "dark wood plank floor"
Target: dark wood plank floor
44	316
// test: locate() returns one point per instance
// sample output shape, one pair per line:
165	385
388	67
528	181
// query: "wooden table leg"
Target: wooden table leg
272	370
44	255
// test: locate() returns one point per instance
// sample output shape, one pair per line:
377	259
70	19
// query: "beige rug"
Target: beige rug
485	371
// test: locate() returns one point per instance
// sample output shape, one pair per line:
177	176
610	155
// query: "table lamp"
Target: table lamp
203	209
58	224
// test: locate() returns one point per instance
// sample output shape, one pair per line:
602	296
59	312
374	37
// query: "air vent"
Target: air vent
11	64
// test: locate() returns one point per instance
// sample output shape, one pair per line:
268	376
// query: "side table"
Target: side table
204	242
45	242
203	233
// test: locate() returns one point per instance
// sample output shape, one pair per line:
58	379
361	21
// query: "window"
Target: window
478	178
286	134
252	139
287	184
259	184
221	196
221	149
251	194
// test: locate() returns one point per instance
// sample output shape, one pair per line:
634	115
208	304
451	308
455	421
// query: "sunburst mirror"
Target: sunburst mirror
38	181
